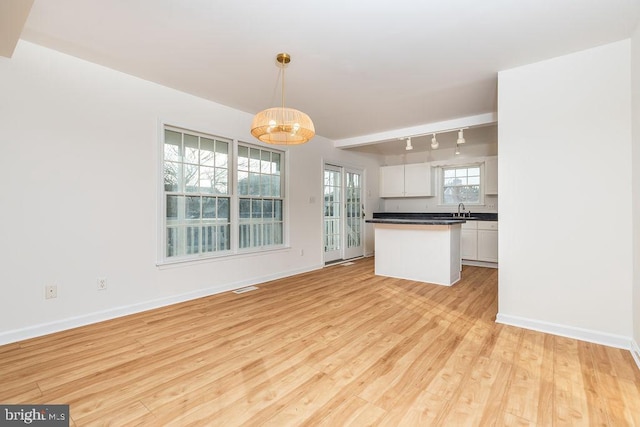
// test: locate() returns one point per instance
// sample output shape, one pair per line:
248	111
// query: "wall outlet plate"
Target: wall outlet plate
102	283
51	291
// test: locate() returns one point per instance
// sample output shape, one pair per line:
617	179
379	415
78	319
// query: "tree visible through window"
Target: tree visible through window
196	186
260	197
203	216
461	185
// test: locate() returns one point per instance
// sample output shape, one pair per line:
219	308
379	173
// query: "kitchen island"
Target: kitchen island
424	250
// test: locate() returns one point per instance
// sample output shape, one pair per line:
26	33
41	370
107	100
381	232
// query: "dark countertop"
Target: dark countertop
479	216
417	221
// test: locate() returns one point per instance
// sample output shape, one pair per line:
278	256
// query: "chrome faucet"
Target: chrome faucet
460	205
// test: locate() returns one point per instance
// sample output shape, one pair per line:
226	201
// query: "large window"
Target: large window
203	215
461	184
260	197
197	196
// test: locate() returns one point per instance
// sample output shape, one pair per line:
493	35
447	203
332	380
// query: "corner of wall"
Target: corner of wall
635	352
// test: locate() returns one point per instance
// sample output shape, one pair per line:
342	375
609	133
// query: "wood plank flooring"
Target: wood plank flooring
334	347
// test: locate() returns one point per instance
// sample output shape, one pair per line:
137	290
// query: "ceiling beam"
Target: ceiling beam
13	15
436	127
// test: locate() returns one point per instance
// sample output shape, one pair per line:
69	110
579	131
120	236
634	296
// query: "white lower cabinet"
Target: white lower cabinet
479	241
469	240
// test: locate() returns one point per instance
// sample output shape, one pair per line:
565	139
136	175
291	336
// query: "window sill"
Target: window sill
185	262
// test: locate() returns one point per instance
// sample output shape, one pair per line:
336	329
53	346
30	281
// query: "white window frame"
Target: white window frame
234	201
442	168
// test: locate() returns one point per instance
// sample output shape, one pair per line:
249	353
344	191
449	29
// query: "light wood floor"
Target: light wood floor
334	347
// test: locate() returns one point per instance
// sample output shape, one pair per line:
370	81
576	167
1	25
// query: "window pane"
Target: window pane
265	185
275	186
244	235
191	178
267	208
172	145
222	154
221	185
275	163
208	238
172	207
192	207
191	148
449	173
277	233
243	183
171	171
474	180
254	160
277	209
254	184
256	208
207	148
265	164
172	242
243	158
193	240
474	171
245	208
223	209
206	179
208	207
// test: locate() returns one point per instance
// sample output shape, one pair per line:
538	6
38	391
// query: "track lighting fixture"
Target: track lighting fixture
460	137
409	146
434	142
457	150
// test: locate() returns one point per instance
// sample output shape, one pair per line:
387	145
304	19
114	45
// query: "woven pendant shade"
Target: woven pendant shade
284	126
280	125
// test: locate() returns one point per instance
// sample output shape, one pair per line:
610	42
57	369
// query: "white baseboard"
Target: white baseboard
8	337
635	352
596	337
480	263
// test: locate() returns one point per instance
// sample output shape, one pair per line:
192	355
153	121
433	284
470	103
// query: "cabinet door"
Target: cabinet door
491	175
392	181
488	245
469	244
417	180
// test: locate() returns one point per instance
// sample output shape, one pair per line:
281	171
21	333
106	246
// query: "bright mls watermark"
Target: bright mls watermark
34	415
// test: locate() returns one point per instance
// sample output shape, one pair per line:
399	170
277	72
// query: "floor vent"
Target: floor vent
247	289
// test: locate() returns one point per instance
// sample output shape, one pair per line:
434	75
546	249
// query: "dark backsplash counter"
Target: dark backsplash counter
475	216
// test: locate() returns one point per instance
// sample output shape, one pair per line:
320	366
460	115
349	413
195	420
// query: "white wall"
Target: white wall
565	138
635	75
79	169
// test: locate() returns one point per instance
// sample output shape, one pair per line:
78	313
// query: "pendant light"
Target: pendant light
280	125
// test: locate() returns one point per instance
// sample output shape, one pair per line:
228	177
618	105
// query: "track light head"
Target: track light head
461	137
434	142
409	146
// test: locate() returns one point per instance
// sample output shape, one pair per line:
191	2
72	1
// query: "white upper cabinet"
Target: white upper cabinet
491	175
392	181
412	180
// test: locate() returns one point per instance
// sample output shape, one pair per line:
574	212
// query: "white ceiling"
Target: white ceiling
358	67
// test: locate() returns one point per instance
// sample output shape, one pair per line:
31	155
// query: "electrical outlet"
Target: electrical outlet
102	283
51	291
301	252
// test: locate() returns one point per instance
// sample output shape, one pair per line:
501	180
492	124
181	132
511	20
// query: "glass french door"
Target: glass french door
343	213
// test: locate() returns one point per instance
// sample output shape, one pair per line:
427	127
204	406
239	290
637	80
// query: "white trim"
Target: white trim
596	337
474	263
635	352
15	335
